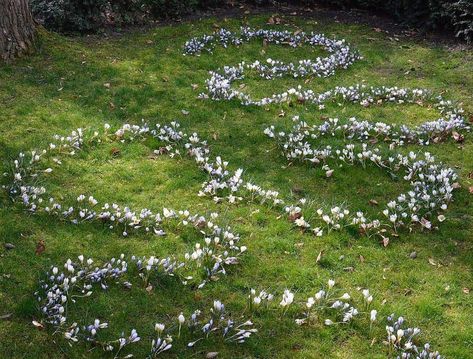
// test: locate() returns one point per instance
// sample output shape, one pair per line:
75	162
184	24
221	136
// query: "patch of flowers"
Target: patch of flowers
62	287
431	183
423	206
341	55
330	306
401	341
218	248
429	132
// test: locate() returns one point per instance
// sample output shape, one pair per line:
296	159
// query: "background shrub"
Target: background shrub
70	15
90	15
454	15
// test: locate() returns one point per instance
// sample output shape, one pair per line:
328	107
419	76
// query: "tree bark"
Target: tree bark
17	29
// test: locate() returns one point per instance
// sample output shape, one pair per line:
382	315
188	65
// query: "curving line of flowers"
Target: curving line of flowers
341	55
219	248
431	183
332	306
61	288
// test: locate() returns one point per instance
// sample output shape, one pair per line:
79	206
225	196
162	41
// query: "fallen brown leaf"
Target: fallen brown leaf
293	216
457	136
40	247
115	152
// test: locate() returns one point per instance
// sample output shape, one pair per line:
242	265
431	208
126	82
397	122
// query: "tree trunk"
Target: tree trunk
17	29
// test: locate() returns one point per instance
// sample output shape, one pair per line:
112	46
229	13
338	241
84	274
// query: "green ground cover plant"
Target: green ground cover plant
90	82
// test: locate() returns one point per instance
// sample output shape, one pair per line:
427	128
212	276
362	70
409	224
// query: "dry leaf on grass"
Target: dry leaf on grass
457	136
115	152
274	20
40	247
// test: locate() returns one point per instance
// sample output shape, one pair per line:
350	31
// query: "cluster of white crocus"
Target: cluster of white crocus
402	342
336	307
92	333
216	323
431	183
79	279
29	167
263	298
393	134
431	189
340	55
422	206
219	246
61	287
332	306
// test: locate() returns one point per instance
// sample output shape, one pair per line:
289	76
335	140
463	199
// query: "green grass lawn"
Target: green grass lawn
87	82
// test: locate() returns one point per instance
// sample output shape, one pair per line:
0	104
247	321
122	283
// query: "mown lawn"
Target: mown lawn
87	82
